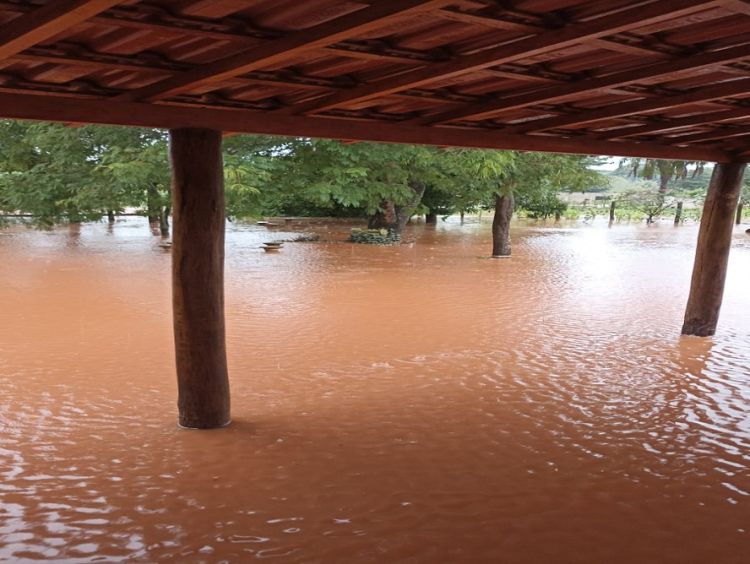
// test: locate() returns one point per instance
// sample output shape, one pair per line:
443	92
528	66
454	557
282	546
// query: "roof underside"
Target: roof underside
658	78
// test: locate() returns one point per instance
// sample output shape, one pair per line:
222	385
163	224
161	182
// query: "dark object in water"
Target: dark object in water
272	246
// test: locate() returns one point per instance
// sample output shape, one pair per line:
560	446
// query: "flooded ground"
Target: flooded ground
419	403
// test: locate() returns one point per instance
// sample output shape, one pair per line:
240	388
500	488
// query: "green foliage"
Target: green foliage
535	179
359	175
683	176
251	165
60	173
745	194
541	205
651	203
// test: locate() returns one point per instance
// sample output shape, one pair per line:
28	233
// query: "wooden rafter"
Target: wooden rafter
724	90
739	6
15	106
659	78
717	133
523	49
669	69
680	123
46	22
497	22
280	79
321	35
240	33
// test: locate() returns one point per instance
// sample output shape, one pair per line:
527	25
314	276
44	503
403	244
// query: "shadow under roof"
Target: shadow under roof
655	78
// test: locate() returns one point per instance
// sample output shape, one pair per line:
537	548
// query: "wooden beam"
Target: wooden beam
496	22
678	123
739	6
198	277
712	253
668	69
282	49
718	133
594	28
493	22
60	108
44	23
98	60
698	95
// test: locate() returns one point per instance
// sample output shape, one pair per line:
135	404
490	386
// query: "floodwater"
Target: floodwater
419	403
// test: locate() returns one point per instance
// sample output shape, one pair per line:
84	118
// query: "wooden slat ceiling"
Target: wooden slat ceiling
657	78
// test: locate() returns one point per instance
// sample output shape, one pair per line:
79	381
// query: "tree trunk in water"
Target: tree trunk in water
431	218
678	214
501	225
738	219
666	171
164	221
712	253
385	217
198	277
152	204
394	217
111	216
663	183
462	218
612	207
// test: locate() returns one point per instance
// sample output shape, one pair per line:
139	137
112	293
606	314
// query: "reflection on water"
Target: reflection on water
418	403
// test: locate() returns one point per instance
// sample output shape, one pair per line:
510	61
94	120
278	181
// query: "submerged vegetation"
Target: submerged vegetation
53	174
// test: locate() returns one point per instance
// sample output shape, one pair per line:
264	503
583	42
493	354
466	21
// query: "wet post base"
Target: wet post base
198	278
712	253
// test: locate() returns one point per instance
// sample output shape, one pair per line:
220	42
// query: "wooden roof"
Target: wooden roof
658	78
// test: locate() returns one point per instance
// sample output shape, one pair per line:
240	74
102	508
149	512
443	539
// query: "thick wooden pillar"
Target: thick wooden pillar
712	253
198	277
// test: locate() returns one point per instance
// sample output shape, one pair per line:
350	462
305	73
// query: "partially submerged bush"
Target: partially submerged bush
375	236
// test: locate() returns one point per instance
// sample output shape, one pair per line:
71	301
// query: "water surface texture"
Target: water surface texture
419	403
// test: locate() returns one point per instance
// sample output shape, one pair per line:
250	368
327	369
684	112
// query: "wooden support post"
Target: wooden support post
712	253
198	277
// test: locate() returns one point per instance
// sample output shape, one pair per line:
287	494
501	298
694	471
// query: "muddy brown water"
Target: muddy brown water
419	403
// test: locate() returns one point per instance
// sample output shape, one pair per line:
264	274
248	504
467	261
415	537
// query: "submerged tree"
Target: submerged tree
651	203
252	166
71	174
386	182
511	178
133	162
59	174
666	170
674	181
744	198
47	171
